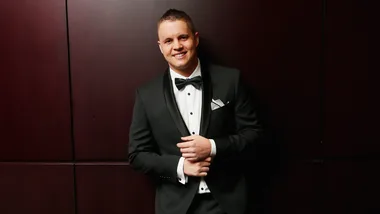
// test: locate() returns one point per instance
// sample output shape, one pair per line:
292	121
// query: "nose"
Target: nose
177	45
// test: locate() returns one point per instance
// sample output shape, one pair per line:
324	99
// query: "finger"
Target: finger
187	150
205	169
202	174
183	145
188	138
205	164
192	159
188	155
208	159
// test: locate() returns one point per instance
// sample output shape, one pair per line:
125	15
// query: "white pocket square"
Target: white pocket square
215	104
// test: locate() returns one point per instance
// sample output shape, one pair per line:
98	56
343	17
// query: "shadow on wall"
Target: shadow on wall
268	155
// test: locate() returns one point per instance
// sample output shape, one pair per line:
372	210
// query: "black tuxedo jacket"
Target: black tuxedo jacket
157	126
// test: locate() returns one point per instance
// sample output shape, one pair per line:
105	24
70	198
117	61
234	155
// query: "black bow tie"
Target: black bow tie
196	82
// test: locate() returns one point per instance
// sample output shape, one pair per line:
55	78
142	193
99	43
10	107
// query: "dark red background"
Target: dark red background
69	70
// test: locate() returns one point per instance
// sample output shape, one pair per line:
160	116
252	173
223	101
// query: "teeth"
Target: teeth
179	55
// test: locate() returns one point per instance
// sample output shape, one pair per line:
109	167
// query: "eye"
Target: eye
183	37
167	41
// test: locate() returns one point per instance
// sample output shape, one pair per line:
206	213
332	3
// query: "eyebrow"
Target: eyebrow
179	36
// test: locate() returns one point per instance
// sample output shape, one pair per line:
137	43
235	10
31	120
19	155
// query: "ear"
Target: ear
159	46
196	37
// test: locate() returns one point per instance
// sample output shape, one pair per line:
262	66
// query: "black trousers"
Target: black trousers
204	204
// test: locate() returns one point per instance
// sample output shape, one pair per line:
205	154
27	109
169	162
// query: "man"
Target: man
192	128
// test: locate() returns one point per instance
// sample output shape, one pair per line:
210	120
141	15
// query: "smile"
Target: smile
180	55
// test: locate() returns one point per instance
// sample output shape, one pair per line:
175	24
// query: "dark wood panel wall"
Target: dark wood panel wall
69	70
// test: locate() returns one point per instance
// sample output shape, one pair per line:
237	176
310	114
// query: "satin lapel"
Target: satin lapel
206	102
172	105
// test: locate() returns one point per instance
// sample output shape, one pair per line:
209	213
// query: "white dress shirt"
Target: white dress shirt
189	102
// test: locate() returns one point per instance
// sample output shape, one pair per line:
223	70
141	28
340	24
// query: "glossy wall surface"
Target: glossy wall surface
69	70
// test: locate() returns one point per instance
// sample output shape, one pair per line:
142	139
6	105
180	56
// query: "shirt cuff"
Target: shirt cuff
182	178
213	148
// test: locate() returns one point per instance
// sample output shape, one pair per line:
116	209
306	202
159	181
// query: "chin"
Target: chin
180	66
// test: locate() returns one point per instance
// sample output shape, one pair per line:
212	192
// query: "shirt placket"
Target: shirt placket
191	113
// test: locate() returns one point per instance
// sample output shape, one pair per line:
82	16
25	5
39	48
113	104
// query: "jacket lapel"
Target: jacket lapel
206	102
172	105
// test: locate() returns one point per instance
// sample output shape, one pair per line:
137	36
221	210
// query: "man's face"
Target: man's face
178	45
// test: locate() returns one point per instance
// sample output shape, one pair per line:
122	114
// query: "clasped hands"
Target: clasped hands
196	151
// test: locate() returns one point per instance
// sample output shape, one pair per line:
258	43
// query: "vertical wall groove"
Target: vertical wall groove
322	74
71	108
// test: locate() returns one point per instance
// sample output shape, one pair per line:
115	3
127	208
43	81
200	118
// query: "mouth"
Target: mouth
180	55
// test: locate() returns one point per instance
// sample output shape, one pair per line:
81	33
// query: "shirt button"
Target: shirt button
191	113
202	188
188	94
193	132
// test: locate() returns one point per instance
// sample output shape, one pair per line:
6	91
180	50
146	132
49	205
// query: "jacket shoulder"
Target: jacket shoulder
218	73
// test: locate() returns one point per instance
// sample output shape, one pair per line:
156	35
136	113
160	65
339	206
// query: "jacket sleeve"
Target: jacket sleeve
143	153
248	129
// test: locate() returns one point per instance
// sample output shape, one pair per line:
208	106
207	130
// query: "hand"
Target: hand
198	169
195	147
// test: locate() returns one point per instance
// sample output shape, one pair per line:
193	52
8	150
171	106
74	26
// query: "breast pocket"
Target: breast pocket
221	119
